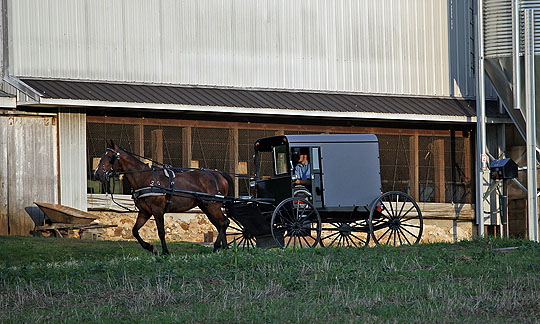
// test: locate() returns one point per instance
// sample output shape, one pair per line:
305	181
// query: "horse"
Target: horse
117	160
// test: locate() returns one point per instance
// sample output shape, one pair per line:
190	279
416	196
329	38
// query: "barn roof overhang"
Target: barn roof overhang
55	92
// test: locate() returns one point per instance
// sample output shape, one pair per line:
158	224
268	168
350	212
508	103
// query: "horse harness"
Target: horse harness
155	188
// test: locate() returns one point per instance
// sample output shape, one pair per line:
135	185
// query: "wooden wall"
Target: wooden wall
28	172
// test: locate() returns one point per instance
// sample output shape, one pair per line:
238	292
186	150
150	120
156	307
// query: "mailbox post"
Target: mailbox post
503	169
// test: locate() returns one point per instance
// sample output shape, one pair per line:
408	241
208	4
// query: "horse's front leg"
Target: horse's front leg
142	218
160	224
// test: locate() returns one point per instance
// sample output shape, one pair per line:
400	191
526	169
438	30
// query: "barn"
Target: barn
195	83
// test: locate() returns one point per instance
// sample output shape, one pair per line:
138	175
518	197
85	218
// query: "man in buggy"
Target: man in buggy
302	171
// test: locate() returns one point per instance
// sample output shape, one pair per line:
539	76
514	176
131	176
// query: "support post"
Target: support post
139	139
440	180
414	167
503	207
186	147
516	75
233	155
468	166
504	210
157	145
532	201
481	157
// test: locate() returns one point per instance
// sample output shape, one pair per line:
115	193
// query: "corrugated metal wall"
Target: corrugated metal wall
405	47
28	170
72	149
498	27
4	221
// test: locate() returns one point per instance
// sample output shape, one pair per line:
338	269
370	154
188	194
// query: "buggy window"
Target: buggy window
280	160
315	154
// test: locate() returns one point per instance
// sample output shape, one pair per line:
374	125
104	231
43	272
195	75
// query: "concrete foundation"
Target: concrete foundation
194	226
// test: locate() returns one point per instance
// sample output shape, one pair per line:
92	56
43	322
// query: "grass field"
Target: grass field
61	280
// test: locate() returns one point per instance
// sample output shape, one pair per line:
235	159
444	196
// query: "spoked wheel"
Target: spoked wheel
395	219
346	234
237	233
295	222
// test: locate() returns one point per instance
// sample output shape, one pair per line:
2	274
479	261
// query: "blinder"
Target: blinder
113	159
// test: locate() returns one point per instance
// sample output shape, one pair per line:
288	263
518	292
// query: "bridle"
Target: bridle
107	174
114	159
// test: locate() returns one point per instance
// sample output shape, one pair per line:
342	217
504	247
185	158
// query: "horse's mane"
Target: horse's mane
133	157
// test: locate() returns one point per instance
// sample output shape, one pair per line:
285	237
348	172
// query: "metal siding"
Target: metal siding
461	47
4	122
387	46
31	168
498	27
72	149
104	30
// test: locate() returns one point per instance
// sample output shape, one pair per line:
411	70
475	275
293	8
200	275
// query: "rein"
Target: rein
120	205
168	166
150	190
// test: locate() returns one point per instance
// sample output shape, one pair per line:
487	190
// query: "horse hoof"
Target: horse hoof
154	250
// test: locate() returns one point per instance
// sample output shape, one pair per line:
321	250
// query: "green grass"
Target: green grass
60	280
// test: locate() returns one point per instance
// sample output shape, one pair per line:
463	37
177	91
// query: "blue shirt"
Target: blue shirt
302	171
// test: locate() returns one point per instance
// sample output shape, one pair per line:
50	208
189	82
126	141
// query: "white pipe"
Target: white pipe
532	207
516	75
481	157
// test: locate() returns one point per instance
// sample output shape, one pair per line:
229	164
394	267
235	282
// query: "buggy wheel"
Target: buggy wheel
295	222
354	234
395	219
237	233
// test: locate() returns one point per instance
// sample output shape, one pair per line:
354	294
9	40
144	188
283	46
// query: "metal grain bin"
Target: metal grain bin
498	54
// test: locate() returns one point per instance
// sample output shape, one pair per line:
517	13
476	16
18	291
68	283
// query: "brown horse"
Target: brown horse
117	160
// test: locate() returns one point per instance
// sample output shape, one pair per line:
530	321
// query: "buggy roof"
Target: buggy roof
266	144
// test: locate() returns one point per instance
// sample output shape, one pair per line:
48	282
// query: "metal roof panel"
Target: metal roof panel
251	98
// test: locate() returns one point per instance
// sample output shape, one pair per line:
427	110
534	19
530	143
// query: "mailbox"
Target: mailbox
503	169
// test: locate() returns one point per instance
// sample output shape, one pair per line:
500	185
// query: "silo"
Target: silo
499	56
506	30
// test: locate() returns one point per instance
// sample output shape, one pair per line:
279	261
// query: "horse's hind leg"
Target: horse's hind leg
142	218
160	223
216	216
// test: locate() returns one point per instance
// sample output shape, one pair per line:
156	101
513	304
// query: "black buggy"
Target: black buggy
342	204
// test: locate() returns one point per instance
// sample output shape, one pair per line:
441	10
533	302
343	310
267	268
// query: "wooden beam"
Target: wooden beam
138	135
268	126
186	147
157	145
414	167
233	155
467	166
438	152
462	212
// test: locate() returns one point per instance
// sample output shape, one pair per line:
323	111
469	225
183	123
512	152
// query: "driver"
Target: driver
302	171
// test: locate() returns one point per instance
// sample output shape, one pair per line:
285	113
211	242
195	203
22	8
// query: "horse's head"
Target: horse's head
109	163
